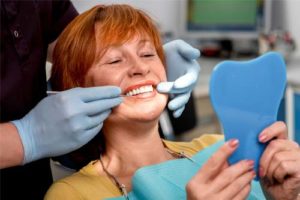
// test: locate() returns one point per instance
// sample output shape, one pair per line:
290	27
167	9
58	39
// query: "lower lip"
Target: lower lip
144	95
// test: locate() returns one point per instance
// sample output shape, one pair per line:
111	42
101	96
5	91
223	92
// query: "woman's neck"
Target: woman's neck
132	146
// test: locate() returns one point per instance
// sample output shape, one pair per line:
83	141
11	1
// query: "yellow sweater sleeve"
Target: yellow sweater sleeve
62	191
85	184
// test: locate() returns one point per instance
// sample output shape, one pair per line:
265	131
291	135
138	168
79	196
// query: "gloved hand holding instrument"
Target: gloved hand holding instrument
182	71
63	122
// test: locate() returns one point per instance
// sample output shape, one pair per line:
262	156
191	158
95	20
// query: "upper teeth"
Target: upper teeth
143	89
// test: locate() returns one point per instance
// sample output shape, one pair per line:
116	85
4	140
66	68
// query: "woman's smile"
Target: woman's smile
144	89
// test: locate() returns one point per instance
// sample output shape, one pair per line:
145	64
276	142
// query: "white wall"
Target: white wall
292	21
164	12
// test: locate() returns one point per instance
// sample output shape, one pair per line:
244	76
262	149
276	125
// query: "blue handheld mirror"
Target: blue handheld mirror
246	96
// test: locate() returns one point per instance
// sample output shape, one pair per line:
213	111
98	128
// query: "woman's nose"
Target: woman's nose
138	67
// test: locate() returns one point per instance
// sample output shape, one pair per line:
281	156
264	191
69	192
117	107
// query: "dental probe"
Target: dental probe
56	92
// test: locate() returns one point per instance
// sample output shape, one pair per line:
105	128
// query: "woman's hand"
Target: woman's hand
217	180
280	163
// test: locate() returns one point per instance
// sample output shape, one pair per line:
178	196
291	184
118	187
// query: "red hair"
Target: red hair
75	50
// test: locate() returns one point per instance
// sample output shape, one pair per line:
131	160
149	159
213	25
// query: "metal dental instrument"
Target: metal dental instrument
56	92
52	92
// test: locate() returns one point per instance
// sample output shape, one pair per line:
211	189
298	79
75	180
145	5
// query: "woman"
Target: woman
127	53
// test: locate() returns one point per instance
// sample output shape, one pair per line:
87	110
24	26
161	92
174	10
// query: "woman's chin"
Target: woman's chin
145	115
140	111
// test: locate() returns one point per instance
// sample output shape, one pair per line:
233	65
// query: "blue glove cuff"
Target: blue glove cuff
26	141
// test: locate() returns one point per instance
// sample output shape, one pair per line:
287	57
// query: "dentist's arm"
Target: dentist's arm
63	122
11	148
183	72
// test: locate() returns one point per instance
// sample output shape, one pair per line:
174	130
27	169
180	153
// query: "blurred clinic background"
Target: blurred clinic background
221	30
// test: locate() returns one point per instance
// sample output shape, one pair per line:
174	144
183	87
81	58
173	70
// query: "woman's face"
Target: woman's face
136	68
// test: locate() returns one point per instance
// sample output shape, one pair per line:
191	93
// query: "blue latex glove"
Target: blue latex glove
66	121
182	71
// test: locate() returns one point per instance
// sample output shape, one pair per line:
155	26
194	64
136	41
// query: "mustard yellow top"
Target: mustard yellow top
88	184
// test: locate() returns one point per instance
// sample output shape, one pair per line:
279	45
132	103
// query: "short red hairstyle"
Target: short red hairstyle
75	50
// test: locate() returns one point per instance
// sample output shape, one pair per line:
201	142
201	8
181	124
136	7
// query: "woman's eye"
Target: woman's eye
114	61
147	55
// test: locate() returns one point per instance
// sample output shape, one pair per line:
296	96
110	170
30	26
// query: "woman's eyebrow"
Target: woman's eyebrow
145	42
103	52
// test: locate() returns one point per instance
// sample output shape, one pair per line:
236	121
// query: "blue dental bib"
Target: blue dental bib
246	97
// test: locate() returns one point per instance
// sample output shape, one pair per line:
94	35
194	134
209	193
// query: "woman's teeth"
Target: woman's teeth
141	90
